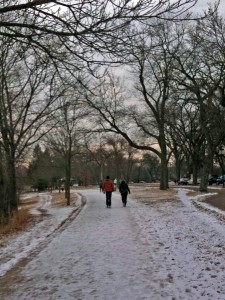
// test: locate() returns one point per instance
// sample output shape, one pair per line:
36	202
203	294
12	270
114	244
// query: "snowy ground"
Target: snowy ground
167	250
16	248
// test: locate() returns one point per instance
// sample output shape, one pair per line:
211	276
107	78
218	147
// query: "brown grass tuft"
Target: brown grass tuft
149	195
59	200
18	221
23	218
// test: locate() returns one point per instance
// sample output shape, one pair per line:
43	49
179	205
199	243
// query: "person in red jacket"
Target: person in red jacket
108	188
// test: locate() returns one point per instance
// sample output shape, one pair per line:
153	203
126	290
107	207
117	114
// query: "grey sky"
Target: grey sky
203	4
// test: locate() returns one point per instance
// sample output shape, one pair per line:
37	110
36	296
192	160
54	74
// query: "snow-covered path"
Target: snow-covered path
164	251
99	256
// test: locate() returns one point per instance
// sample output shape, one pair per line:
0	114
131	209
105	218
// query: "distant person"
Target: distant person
115	184
108	188
124	190
62	187
100	185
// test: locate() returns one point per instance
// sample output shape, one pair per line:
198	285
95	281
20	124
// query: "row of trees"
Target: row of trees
50	54
179	88
90	164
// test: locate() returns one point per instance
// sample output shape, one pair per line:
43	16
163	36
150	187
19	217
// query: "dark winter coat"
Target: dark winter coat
124	188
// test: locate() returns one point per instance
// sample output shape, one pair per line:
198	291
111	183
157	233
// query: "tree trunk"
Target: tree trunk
68	172
101	171
178	167
204	178
164	162
195	172
11	184
4	203
164	174
207	162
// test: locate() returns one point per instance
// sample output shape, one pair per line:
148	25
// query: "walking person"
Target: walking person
124	190
108	188
115	184
100	185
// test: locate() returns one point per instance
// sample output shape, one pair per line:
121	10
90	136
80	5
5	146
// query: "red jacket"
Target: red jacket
108	186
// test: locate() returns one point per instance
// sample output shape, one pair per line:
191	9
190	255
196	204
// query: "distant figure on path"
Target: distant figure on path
115	184
62	187
108	188
100	185
124	190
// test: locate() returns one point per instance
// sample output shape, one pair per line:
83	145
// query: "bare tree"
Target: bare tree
153	66
111	152
96	146
28	90
67	138
185	138
172	63
200	64
81	26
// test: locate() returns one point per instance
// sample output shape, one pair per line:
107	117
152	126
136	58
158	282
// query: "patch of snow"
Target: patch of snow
168	250
24	243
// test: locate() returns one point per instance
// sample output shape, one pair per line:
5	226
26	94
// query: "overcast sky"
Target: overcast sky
203	4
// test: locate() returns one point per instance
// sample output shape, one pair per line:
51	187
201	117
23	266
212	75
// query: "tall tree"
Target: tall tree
185	138
152	67
42	169
98	150
67	137
200	64
28	90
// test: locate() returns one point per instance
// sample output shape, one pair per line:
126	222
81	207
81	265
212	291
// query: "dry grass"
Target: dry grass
193	193
58	199
18	222
28	203
150	195
23	218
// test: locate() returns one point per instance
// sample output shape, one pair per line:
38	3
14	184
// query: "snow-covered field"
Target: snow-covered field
166	250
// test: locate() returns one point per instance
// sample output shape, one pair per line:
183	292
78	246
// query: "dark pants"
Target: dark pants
108	198
124	198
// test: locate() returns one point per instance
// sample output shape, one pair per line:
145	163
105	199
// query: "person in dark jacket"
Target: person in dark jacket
108	188
101	185
124	190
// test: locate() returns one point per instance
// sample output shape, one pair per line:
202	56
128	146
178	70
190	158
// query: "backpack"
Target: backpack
123	188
